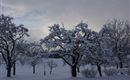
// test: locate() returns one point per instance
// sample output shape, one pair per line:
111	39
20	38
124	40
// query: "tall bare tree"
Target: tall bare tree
69	44
117	35
10	34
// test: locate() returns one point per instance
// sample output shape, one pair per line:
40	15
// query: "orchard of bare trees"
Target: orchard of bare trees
76	47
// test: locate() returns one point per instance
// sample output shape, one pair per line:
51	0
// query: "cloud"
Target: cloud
12	10
39	14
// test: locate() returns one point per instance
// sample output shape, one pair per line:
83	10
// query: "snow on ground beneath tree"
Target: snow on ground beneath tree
121	77
59	73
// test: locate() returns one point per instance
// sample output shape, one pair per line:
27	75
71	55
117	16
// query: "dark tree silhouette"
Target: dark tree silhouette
69	44
10	34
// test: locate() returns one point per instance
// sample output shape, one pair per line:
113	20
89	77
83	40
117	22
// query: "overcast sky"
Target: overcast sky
37	15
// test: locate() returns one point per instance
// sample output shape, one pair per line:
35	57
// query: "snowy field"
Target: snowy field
59	73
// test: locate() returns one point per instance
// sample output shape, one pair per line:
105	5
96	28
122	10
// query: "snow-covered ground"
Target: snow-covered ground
59	73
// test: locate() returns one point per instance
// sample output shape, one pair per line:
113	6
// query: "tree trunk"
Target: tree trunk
14	68
9	70
120	61
44	69
121	64
78	69
99	70
73	71
117	66
34	69
50	70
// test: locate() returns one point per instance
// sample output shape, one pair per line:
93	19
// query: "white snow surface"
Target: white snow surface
59	73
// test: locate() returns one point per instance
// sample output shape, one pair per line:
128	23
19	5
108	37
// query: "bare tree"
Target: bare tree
10	34
98	54
33	54
69	44
117	35
51	65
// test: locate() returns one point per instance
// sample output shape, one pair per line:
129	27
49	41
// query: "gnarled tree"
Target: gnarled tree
70	45
10	34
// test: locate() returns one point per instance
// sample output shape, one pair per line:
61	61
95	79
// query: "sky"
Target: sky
37	15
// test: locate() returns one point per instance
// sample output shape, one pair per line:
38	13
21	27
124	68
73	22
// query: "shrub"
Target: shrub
128	71
89	73
110	72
